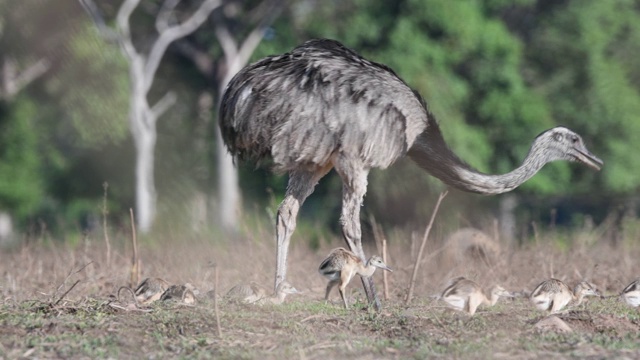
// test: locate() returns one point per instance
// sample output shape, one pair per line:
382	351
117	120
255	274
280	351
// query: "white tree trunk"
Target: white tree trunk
142	122
236	56
508	204
228	188
142	70
6	228
145	187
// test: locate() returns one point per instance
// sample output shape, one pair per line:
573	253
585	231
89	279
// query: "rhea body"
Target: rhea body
181	293
254	294
631	293
322	106
150	290
341	265
553	295
466	295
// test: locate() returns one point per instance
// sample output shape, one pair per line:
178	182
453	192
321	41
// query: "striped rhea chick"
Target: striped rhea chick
341	265
180	293
254	294
552	295
631	293
283	289
150	290
466	295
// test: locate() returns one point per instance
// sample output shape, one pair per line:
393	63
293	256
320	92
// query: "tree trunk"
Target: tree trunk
228	189
143	128
142	70
145	187
6	228
508	204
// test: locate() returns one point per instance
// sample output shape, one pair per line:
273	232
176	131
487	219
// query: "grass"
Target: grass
56	302
303	329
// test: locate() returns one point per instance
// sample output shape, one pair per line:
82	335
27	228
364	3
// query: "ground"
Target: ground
60	301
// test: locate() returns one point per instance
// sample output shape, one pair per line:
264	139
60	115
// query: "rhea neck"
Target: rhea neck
492	300
430	152
366	271
278	298
577	296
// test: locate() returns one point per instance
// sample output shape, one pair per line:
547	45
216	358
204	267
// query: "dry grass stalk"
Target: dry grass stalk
72	286
105	212
215	301
385	283
422	246
381	246
65	293
135	263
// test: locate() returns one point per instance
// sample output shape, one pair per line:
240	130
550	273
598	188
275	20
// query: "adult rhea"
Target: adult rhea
322	106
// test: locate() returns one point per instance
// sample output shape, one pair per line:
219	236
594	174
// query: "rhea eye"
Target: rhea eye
574	139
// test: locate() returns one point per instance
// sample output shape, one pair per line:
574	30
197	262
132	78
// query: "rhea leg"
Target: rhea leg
301	185
354	187
330	286
473	305
342	289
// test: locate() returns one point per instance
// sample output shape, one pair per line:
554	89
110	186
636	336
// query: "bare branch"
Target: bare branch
33	72
93	11
165	15
234	58
227	42
266	12
246	49
122	21
202	59
173	33
13	82
163	104
237	57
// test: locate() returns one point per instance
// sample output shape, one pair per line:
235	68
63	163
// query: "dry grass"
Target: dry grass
57	303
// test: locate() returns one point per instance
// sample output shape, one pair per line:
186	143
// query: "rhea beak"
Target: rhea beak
385	267
584	156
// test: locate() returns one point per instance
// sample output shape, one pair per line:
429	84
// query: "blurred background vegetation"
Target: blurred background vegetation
494	72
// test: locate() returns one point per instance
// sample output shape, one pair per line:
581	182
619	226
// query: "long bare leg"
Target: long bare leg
473	304
330	286
301	185
354	187
342	289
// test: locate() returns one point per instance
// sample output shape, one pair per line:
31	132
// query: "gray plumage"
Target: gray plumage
323	106
302	107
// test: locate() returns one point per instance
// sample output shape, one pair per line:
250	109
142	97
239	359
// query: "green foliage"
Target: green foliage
495	73
93	89
583	57
21	186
